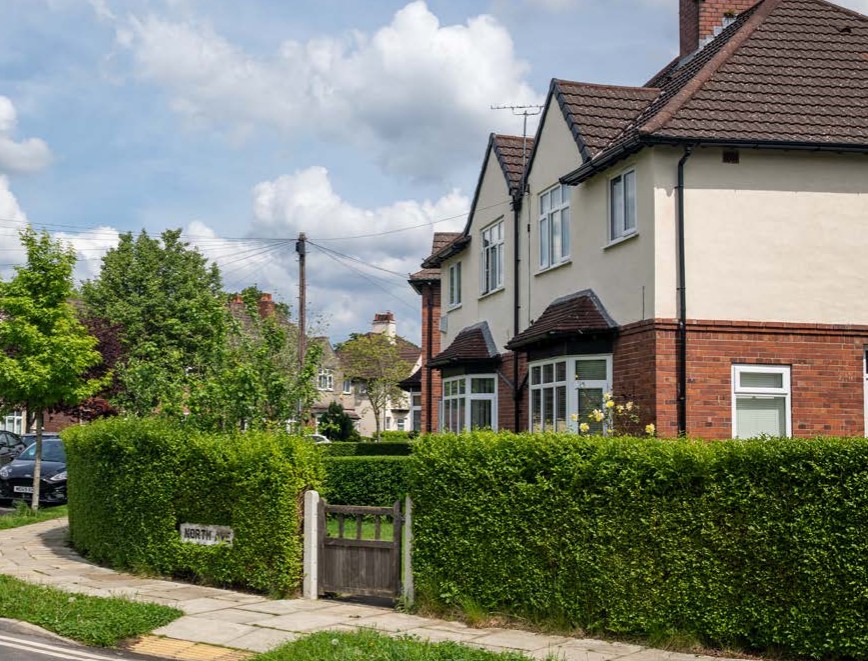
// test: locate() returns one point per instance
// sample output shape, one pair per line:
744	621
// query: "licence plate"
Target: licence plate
22	489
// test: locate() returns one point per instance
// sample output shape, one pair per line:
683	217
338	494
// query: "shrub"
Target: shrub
366	449
337	425
748	543
132	482
375	481
397	436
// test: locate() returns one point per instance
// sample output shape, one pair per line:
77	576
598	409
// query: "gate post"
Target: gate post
409	591
310	589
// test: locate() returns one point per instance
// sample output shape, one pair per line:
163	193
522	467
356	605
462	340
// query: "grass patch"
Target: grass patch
91	620
369	531
24	516
371	646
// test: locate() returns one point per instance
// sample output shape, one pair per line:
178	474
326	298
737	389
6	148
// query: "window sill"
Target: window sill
452	308
492	292
620	240
554	267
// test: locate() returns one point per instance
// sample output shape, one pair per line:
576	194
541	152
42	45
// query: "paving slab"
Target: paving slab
263	640
519	640
204	630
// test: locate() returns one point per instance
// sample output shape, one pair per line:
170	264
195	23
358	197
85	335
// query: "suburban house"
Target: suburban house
692	245
334	386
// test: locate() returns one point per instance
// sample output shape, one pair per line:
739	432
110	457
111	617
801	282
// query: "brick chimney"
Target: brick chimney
266	306
701	19
384	322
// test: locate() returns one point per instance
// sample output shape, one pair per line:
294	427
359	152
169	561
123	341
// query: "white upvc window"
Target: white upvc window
565	387
325	379
761	401
348	386
13	422
416	411
491	263
455	285
469	402
622	205
554	226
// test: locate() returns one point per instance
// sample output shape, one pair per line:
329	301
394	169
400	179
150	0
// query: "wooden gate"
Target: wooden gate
357	553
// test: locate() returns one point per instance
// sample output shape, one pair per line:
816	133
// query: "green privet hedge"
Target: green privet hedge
375	481
133	482
756	544
350	449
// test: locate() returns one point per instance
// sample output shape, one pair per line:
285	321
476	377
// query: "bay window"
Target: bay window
563	391
469	402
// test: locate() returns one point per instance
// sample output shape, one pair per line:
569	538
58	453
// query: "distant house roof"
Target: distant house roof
572	315
412	382
407	351
785	73
473	344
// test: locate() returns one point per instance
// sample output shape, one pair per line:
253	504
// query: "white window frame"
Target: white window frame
744	392
554	217
491	258
455	285
414	409
14	422
572	385
348	387
466	380
626	225
325	380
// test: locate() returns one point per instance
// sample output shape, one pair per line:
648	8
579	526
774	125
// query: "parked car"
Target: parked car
318	438
11	445
16	478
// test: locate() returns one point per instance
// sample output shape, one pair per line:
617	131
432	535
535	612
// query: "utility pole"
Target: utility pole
301	249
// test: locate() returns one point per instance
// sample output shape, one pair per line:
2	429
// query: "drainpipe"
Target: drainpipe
681	358
429	303
516	387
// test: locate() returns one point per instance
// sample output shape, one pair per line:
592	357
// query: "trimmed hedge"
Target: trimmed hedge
375	481
761	543
132	482
350	449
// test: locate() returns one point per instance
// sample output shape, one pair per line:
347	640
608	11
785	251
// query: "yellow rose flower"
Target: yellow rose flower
574	417
596	415
610	404
650	429
629	406
584	427
607	396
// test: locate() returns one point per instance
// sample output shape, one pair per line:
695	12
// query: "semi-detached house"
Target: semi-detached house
696	245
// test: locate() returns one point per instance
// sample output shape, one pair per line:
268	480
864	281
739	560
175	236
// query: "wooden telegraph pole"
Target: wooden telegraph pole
301	249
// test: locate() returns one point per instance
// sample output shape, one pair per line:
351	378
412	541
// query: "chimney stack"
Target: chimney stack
266	306
384	322
703	19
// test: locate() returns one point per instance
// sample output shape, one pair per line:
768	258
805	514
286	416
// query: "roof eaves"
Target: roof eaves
457	246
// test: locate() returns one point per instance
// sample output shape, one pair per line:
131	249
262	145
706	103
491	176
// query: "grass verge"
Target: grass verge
24	516
371	646
91	620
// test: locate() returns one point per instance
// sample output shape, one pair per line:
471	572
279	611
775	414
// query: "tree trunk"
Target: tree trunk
37	464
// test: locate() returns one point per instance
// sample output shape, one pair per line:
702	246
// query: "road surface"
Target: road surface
25	643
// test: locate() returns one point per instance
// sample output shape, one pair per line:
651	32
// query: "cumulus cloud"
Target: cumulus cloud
416	93
349	279
27	155
12	221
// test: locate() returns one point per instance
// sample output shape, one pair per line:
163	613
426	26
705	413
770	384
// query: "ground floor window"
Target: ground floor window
761	401
13	422
564	390
416	411
469	402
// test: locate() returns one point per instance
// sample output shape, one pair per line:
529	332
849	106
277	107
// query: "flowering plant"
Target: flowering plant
613	418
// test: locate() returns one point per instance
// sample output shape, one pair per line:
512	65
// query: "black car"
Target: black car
11	445
16	478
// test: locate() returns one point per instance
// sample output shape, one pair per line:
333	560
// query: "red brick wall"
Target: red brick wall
430	294
505	401
637	361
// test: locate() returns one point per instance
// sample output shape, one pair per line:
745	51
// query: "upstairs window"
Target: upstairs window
348	386
554	226
622	205
491	264
325	380
455	285
761	401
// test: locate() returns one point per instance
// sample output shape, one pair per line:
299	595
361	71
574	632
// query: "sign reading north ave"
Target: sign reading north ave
196	533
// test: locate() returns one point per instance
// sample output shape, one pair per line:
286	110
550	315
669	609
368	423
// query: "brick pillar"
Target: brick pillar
431	383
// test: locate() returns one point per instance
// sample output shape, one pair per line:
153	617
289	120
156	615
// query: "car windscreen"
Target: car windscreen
51	451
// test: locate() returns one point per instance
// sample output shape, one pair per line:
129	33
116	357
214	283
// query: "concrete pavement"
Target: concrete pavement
224	625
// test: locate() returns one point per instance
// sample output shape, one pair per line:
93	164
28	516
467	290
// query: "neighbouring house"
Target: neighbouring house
334	386
694	245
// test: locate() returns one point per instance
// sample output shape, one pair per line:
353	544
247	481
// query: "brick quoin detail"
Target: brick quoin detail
699	18
826	371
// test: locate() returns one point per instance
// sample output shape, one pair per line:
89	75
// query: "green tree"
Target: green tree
374	358
337	425
254	381
45	352
168	304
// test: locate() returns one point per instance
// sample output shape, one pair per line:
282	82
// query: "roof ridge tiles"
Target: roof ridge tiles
579	83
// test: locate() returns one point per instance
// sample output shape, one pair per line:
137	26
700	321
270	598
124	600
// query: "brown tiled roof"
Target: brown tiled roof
412	382
597	114
785	72
441	240
407	351
575	314
512	154
472	345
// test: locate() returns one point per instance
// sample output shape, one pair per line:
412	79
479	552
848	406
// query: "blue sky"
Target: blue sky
248	122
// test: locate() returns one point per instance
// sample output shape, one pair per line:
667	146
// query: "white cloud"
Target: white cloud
12	221
342	292
90	247
416	93
25	156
